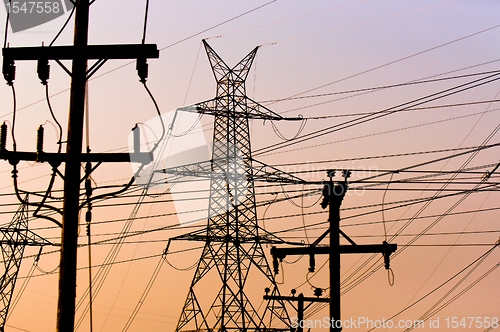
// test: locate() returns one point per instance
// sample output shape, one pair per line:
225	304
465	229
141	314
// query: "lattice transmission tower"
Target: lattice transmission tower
233	238
13	239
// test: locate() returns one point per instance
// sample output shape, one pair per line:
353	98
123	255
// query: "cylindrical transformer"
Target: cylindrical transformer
39	140
137	139
3	138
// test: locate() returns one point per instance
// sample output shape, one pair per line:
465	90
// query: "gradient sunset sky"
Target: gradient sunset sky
331	62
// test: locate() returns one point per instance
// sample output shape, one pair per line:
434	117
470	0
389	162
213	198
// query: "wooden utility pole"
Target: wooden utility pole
69	231
334	202
333	196
79	53
301	307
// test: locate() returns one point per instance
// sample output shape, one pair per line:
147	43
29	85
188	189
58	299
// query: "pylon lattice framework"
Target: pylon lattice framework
233	239
14	238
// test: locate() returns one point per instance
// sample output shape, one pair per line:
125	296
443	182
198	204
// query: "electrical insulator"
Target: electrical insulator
3	138
318	292
326	196
387	255
88	187
312	263
137	139
275	260
39	140
43	70
142	69
88	216
9	70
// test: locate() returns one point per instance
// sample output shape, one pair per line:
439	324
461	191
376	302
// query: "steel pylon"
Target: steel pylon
13	239
233	239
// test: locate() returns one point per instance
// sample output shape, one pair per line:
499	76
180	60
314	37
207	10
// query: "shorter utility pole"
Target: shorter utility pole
300	304
332	197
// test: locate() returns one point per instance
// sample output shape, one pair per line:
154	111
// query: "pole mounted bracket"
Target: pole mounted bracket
90	52
386	249
58	158
100	53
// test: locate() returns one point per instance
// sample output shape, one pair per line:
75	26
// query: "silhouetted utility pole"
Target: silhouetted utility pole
332	197
69	231
301	299
79	53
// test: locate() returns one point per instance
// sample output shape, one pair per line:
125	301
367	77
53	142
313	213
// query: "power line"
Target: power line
379	87
380	114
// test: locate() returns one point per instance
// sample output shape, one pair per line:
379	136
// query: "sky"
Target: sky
330	62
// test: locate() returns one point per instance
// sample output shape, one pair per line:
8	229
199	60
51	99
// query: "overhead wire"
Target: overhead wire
193	35
380	114
483	143
369	272
381	87
48	191
7	19
144	294
64	25
478	260
192	73
14	171
344	115
434	309
398	60
400	204
451	247
386	131
114	263
14	107
20	293
302	196
104	271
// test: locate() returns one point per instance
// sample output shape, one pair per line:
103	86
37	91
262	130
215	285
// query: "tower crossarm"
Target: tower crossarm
201	236
17	236
252	110
201	169
261	172
267	173
265	113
